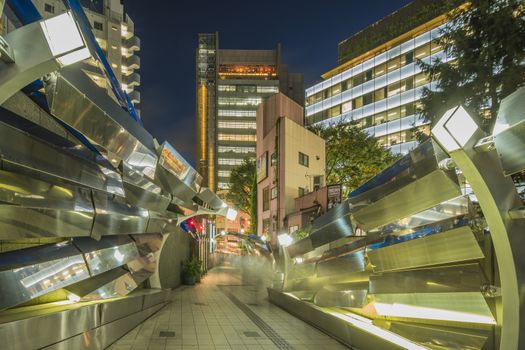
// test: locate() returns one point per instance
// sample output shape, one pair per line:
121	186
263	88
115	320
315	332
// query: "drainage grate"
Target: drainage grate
251	334
279	341
167	334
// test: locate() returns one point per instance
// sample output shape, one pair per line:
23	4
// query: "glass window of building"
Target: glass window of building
347	84
235	137
266	198
380	94
380	70
407	58
334	111
267	89
335	89
273	193
380	118
358	102
357	80
368	98
304	159
393	64
420	79
224	173
49	8
230	88
236	125
422	51
302	191
368	75
230	161
347	106
98	25
236	113
435	47
273	159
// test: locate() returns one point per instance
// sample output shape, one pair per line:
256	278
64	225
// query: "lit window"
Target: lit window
267	89
266	198
224	173
235	137
236	125
234	149
239	101
230	161
236	113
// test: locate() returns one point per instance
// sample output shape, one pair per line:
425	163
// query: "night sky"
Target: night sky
308	32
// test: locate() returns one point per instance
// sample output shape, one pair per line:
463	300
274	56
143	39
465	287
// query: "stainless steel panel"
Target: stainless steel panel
147	243
457	278
156	296
175	164
115	309
511	111
103	336
465	307
157	222
106	253
350	263
439	337
33	208
332	226
18	285
86	289
210	199
117	287
139	197
510	145
114	216
341	296
182	194
301	271
419	195
79	111
23	154
300	247
38	328
456	245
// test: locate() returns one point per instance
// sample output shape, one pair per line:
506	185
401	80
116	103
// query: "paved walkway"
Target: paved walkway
228	310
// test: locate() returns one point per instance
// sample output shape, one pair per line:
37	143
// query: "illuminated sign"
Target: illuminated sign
333	194
172	161
262	167
247	70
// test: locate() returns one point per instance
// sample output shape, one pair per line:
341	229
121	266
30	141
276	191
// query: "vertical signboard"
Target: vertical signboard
334	195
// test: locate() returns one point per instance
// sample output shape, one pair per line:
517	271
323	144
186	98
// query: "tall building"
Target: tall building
230	85
114	31
378	83
290	162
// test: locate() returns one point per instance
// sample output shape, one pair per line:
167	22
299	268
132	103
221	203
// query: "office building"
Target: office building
230	85
290	162
114	31
378	82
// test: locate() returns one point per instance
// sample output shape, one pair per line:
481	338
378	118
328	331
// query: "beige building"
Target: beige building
114	31
290	162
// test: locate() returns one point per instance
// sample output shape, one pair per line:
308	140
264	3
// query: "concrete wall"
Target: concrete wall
175	250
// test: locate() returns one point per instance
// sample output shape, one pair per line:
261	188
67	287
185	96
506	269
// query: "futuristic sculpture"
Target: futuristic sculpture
87	195
429	253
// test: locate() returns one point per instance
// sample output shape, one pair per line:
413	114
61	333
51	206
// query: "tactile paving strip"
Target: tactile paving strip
279	341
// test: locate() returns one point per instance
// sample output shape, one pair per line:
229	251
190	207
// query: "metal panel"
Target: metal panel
117	287
77	110
114	216
335	224
38	329
350	263
119	308
510	144
457	278
33	208
465	307
106	253
86	289
102	337
419	195
21	153
156	296
341	296
28	282
447	247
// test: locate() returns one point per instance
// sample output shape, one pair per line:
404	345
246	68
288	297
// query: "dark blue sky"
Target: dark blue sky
308	32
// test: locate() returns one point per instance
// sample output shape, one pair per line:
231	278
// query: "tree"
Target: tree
485	41
243	185
352	155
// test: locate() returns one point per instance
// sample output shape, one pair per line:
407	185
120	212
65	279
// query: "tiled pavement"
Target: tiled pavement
204	317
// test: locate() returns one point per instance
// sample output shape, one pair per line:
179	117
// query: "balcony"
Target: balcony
134	96
132	62
132	80
132	43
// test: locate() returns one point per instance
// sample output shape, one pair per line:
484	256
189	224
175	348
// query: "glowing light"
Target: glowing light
285	240
299	260
119	256
72	297
454	129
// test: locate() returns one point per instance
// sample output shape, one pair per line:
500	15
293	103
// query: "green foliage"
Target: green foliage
192	267
242	185
487	40
352	155
253	206
301	233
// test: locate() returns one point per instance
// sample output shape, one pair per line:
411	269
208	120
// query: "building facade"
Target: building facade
114	31
230	85
290	162
378	83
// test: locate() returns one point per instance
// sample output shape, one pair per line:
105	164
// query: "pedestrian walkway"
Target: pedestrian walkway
226	311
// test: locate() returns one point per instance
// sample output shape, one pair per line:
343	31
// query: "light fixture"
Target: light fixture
454	129
285	240
73	297
64	39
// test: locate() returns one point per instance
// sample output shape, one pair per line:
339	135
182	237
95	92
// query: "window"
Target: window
266	198
408	58
226	88
49	8
239	101
358	102
369	74
246	88
273	193
224	173
273	159
380	94
303	159
223	185
302	191
236	113
357	80
422	51
334	111
347	106
236	125
98	25
420	79
380	70
234	137
268	89
234	149
230	161
368	98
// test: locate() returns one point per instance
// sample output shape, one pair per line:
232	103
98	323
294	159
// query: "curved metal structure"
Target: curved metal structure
427	254
87	195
